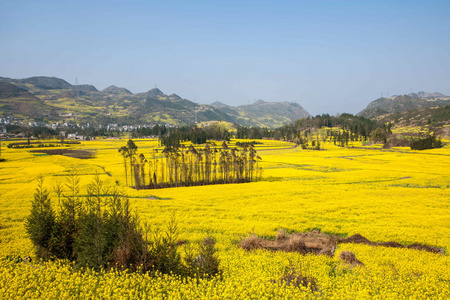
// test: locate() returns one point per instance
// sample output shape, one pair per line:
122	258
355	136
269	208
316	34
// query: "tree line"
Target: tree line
176	166
174	136
355	125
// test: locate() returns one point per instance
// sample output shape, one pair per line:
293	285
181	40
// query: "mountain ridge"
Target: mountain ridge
85	103
398	104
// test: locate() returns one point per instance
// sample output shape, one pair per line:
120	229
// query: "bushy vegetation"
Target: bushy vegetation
416	141
194	134
101	232
428	142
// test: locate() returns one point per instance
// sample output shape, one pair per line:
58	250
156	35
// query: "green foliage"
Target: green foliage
207	261
101	232
163	248
40	224
428	142
202	262
378	135
175	136
299	130
188	166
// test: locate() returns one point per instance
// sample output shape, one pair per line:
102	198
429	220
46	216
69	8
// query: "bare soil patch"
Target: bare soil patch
350	258
319	243
308	242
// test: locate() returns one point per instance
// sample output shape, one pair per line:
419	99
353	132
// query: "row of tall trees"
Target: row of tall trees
176	166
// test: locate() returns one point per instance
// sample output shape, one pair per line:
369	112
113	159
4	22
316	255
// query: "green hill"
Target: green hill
52	99
20	103
398	104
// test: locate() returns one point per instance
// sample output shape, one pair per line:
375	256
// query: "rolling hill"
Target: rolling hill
264	114
51	99
19	102
402	103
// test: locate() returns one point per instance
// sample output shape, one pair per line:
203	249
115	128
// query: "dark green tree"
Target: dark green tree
40	224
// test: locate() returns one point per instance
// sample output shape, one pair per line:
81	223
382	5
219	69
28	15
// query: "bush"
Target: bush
41	222
293	277
163	250
207	261
428	142
102	232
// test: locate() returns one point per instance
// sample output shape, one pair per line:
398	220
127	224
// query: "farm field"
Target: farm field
385	195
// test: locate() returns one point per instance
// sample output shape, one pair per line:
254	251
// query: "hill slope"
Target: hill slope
19	102
54	99
265	114
403	103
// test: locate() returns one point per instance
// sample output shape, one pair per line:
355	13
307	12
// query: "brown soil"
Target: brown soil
350	258
357	239
426	248
319	243
308	242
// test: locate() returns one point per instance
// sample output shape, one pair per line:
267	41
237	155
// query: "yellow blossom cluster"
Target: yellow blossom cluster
385	195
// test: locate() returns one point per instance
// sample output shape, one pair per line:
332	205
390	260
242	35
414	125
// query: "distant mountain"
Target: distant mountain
155	93
435	116
19	102
52	99
423	94
8	90
116	90
403	103
46	83
174	97
435	119
265	114
217	103
85	88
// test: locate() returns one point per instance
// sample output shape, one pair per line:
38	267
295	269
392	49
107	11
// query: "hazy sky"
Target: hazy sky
328	56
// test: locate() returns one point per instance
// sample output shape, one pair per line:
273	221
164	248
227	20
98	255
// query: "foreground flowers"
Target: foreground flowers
398	195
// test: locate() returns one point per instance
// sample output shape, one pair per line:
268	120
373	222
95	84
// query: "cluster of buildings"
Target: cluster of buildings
63	127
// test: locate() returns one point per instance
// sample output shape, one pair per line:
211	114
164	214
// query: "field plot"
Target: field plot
394	195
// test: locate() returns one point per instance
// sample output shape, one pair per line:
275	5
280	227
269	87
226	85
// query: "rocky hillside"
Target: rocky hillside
19	102
435	117
398	104
264	114
50	99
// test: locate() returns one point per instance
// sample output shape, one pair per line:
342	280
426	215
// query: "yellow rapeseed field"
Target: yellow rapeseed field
385	195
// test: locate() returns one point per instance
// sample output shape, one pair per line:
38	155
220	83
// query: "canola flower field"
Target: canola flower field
385	195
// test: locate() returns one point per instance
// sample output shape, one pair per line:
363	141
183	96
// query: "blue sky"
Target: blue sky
329	56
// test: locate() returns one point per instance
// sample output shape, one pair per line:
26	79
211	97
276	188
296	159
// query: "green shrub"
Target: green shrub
101	232
41	222
428	142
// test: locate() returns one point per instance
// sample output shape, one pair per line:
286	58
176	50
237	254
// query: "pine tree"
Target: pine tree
40	224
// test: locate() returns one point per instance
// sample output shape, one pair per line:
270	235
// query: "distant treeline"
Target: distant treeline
353	124
174	136
188	166
342	129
